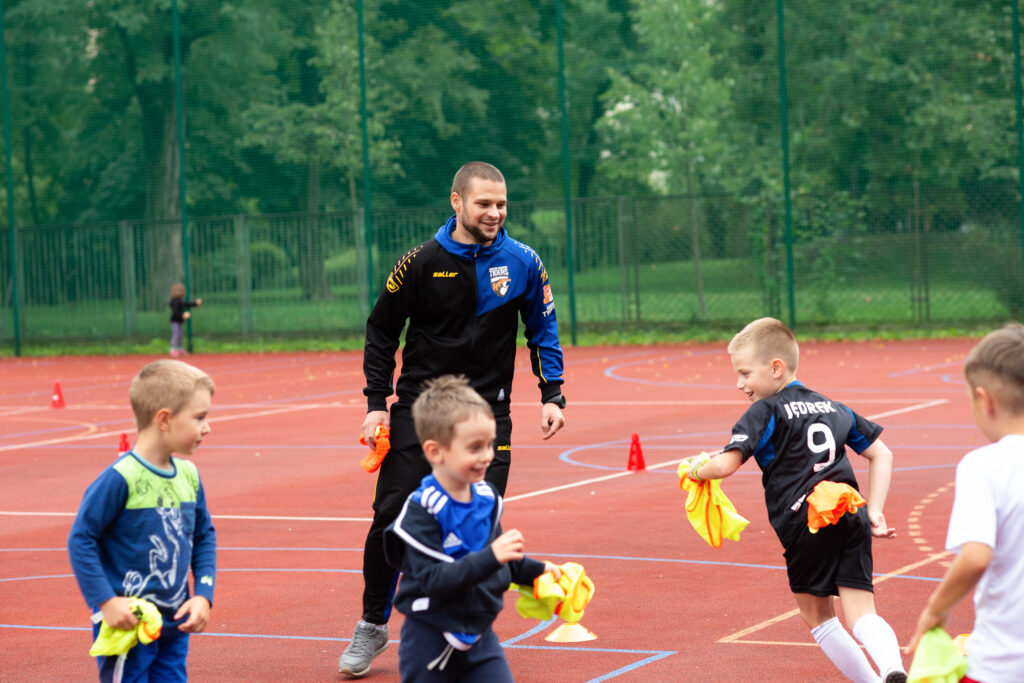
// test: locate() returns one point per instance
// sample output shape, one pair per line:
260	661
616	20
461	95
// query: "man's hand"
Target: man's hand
551	420
117	612
198	610
370	422
508	546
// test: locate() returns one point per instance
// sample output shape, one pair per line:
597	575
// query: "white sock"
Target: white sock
844	652
880	641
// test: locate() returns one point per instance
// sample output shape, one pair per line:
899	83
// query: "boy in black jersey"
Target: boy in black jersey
797	437
447	541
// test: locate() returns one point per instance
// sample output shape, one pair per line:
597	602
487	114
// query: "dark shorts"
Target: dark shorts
838	555
483	663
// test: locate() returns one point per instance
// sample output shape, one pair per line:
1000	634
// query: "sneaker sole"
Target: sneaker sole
348	671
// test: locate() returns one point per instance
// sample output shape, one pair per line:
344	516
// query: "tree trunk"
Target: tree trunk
163	254
311	252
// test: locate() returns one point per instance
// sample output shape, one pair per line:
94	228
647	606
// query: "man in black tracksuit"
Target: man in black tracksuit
461	293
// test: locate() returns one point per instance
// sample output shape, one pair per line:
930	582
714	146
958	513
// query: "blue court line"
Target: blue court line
285	569
532	632
635	665
684	448
655	654
619	558
658	654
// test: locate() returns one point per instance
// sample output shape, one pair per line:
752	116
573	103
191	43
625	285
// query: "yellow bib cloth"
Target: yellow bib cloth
937	659
115	641
709	510
567	597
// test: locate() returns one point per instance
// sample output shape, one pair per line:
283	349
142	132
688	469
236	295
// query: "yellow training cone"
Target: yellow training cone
570	633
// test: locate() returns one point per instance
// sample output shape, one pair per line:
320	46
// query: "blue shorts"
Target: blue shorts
162	660
421	644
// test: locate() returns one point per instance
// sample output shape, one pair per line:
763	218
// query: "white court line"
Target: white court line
735	637
100	435
522	496
296	519
909	409
218	406
10	513
18	410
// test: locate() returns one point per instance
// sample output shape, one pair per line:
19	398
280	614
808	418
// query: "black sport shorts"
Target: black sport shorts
838	555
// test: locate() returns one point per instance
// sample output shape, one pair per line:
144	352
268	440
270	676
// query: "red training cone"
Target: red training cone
636	454
58	396
123	445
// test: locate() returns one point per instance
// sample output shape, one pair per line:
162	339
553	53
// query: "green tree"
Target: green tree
123	144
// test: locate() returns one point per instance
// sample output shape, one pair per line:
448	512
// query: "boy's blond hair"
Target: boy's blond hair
766	339
166	384
177	290
445	402
997	364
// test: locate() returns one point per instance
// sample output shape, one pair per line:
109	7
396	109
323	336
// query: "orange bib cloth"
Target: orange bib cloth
372	460
829	501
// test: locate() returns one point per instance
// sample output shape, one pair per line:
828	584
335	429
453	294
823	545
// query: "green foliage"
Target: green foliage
271	267
993	260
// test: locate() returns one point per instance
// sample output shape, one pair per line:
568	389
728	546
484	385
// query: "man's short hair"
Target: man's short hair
997	364
166	384
768	338
474	169
445	402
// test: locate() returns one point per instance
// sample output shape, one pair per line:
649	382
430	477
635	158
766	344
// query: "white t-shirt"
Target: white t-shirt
989	508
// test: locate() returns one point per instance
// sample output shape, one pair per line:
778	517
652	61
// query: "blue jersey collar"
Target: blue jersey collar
467	251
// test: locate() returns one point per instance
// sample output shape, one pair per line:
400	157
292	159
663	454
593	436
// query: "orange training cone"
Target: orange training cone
58	397
123	445
636	454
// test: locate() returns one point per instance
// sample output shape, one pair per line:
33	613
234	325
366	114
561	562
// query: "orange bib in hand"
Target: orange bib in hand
372	460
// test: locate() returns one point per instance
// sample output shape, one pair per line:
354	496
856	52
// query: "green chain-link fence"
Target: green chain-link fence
899	122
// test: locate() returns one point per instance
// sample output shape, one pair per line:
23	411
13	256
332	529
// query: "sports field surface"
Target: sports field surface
292	506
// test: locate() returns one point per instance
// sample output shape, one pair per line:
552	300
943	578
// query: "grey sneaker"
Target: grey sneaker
368	641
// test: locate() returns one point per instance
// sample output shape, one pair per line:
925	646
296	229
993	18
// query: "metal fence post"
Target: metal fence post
243	274
784	123
566	179
9	147
1017	98
126	239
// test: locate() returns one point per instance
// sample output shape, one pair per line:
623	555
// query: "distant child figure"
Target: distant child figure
797	437
456	562
143	523
179	314
986	526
